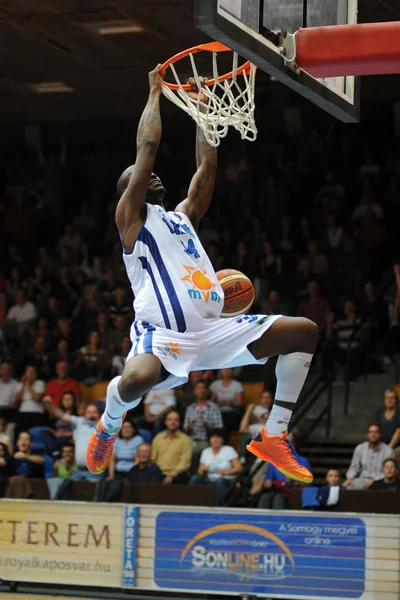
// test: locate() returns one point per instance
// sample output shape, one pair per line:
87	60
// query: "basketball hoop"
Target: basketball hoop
230	98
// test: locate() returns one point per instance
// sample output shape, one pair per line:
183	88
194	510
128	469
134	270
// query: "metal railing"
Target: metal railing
366	320
307	401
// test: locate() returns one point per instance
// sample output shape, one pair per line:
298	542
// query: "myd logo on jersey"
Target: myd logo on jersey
241	551
202	285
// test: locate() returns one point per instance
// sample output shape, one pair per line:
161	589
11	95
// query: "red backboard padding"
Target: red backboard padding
365	49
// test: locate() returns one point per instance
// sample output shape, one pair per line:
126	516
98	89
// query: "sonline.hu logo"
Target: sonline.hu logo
202	285
254	553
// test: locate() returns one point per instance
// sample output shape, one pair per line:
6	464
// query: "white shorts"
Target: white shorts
222	345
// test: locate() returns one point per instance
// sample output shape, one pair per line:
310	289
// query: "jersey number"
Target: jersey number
191	248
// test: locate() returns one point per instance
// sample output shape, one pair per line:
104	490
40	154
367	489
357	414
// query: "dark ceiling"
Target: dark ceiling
50	40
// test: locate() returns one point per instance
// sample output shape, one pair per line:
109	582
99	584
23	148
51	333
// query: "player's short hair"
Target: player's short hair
123	181
393	460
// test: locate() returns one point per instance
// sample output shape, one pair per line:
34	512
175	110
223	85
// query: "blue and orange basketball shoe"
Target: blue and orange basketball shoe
279	451
100	448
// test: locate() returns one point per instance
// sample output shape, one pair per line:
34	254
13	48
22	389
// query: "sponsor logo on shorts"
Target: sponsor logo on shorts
172	349
307	364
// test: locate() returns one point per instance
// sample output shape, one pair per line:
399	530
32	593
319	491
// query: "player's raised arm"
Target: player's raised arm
133	183
202	185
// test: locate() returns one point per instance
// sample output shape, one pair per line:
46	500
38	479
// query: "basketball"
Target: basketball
238	292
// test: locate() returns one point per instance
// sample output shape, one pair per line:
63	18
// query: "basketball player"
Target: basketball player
178	302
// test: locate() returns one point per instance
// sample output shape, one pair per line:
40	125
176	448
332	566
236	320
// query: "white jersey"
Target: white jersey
172	278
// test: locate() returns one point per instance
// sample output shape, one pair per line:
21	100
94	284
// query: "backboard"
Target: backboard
245	25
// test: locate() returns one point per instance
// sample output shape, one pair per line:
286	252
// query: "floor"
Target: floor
10	596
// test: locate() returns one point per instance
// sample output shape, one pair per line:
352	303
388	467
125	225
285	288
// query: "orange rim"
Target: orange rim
209	47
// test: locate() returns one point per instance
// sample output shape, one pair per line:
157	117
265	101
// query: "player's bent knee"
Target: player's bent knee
308	333
137	379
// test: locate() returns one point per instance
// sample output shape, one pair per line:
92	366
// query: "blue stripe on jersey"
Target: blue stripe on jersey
146	238
146	265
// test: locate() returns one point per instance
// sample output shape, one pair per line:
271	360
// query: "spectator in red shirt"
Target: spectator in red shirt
56	387
316	307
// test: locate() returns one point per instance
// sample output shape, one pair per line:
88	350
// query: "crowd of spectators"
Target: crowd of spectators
312	221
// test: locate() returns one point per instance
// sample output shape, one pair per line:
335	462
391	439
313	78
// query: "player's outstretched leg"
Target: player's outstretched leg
294	339
124	392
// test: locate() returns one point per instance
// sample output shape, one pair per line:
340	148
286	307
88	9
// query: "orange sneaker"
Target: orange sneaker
100	448
279	451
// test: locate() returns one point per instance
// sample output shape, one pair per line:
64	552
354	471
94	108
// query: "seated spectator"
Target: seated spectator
28	399
118	360
5	462
87	309
40	332
60	355
254	419
145	470
8	387
90	362
338	333
39	287
276	306
25	461
200	417
65	332
376	309
4	438
38	358
229	397
23	314
332	477
120	305
367	461
316	307
156	405
390	481
3	308
104	329
194	377
120	331
62	383
82	434
5	353
277	487
172	451
66	466
318	260
219	465
123	456
393	339
388	419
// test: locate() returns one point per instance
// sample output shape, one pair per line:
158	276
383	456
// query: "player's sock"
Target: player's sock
115	406
291	372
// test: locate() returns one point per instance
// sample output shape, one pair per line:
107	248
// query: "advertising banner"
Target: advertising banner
261	554
129	548
65	543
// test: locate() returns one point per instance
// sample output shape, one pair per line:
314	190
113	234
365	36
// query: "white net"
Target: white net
230	102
